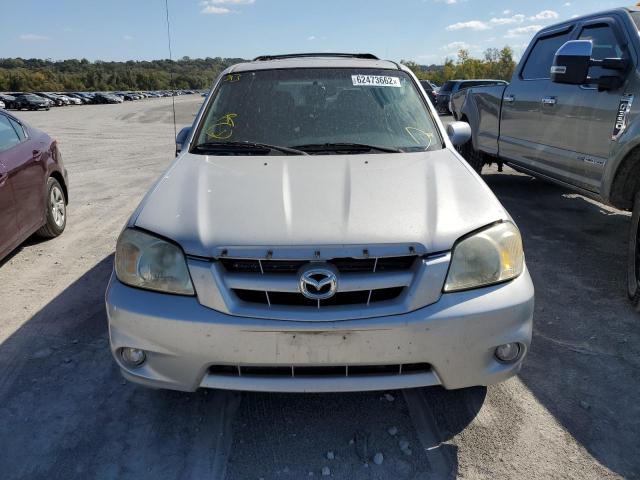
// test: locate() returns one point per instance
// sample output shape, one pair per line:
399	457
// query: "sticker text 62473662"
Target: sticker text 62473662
375	81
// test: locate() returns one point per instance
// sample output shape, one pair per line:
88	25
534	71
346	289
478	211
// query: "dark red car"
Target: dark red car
33	184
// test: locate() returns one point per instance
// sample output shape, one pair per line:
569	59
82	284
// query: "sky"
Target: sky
425	31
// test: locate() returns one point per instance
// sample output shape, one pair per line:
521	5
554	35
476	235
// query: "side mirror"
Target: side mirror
181	138
572	61
459	133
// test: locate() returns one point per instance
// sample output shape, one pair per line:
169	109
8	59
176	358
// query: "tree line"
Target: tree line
28	75
496	64
25	75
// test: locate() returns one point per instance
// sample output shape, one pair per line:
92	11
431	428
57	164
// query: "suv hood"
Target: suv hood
426	198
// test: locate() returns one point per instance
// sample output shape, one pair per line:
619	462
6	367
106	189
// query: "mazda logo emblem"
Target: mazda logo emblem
318	282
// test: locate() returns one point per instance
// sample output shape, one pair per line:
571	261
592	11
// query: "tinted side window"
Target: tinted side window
18	128
427	86
605	45
447	87
540	59
8	136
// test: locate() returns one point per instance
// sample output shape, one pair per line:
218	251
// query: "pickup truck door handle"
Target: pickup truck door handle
549	101
509	98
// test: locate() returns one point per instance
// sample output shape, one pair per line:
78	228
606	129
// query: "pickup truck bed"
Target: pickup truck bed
480	107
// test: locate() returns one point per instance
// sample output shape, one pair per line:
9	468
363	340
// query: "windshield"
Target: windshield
636	19
303	107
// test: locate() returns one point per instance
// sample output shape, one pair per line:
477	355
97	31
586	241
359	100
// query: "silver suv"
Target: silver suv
319	232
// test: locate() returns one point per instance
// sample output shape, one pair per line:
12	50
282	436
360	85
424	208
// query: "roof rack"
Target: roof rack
365	56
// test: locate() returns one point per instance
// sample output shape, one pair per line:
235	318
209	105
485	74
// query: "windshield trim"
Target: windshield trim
204	112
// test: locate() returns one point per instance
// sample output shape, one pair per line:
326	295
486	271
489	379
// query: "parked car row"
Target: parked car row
46	100
33	180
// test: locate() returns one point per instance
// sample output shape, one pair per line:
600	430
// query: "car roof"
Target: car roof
310	60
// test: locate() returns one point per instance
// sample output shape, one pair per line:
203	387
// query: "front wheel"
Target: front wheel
472	156
633	270
56	214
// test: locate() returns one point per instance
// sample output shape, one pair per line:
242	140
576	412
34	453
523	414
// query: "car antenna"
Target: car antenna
173	92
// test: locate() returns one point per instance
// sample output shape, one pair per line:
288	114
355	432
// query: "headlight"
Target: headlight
490	256
145	261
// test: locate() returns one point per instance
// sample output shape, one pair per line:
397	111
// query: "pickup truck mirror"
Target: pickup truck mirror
181	138
571	62
612	63
459	133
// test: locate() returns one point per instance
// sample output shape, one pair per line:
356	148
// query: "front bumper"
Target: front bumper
456	336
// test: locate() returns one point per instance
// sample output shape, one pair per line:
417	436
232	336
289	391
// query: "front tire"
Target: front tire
56	215
472	156
633	261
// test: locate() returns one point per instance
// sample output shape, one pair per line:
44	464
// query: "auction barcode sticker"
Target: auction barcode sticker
375	81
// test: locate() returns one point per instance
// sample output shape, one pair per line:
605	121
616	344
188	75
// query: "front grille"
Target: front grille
340	298
361	281
319	371
344	265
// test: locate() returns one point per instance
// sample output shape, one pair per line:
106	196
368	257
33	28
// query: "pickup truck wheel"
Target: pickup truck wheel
633	274
472	156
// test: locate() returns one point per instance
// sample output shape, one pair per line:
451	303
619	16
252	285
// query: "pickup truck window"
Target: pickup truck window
305	106
538	65
605	45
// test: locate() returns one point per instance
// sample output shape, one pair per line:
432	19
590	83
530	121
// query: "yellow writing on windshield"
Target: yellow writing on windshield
232	78
222	129
417	135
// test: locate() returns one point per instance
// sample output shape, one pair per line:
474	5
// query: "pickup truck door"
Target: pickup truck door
523	131
579	118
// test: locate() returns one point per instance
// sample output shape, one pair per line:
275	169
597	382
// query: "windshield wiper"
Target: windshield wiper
346	147
248	147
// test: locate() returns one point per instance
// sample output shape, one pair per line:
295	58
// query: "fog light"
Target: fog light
509	352
133	357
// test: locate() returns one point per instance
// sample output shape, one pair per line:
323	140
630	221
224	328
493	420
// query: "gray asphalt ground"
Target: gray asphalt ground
66	413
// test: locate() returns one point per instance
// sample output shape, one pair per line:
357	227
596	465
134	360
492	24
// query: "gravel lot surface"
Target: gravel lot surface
66	413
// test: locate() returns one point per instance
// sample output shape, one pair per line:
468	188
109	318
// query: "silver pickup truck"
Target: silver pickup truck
569	116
